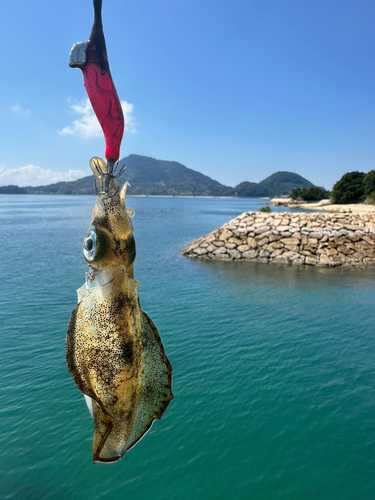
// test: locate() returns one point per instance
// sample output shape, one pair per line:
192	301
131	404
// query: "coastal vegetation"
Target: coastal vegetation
355	187
266	210
350	188
369	183
309	194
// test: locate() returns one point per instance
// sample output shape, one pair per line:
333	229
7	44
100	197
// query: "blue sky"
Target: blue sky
234	89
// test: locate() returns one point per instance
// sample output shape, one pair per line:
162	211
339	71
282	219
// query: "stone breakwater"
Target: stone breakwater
315	239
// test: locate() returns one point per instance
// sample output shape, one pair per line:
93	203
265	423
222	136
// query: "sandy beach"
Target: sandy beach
355	208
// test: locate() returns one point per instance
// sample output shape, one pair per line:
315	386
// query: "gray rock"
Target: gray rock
262	242
262	235
236	241
235	254
225	235
331	251
293	248
298	262
368	240
220	250
275	237
318	236
290	241
310	261
313	242
210	238
230	246
252	243
324	259
275	253
262	229
250	254
243	248
292	255
281	259
264	253
297	234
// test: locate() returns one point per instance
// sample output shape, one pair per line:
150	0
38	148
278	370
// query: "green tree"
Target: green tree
296	193
315	194
369	182
266	209
349	188
309	194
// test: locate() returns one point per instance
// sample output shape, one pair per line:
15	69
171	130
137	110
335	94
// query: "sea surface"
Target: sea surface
273	366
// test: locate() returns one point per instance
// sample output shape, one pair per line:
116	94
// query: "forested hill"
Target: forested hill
281	183
148	176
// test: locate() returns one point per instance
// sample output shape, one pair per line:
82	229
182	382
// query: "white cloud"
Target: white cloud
32	175
19	109
87	124
130	121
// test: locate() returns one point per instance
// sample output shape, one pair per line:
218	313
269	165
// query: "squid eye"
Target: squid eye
93	245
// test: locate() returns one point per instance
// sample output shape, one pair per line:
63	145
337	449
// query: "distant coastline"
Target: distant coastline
150	177
128	195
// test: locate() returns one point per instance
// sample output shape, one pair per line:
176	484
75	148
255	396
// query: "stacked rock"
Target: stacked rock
317	239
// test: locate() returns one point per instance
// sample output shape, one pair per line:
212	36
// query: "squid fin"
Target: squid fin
156	381
155	392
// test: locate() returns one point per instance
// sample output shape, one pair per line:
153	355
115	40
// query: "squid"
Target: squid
113	349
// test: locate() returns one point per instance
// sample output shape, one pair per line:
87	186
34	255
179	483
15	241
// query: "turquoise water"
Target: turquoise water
274	378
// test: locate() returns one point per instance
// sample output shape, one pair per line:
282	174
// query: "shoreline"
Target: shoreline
324	205
140	196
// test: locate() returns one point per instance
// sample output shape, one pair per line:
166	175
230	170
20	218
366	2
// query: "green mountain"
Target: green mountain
281	183
249	190
148	176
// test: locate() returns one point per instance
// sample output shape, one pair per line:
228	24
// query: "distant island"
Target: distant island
151	177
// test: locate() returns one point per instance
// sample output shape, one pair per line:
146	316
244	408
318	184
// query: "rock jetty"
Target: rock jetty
315	239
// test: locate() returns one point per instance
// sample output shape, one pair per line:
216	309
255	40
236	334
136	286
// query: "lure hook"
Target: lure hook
105	176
